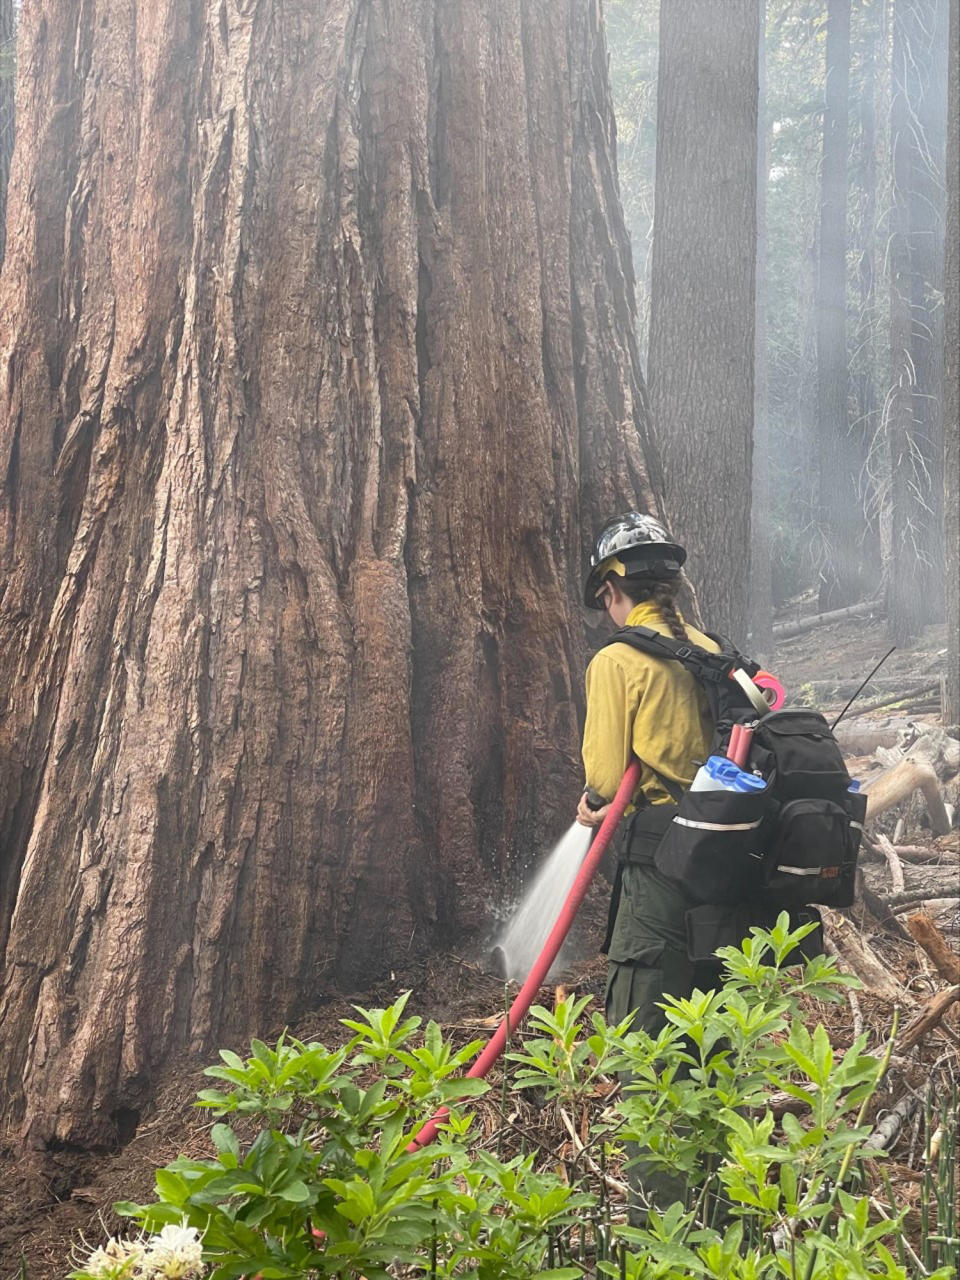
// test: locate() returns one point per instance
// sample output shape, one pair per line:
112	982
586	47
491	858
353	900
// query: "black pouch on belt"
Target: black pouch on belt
643	834
713	847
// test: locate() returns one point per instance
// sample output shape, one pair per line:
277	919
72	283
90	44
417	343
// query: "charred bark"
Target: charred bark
317	354
701	364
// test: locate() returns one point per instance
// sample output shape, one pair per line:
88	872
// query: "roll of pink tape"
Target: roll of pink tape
773	690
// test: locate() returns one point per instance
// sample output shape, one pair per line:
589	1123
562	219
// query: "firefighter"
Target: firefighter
651	708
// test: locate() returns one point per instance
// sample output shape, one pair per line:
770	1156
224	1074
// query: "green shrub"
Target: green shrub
328	1188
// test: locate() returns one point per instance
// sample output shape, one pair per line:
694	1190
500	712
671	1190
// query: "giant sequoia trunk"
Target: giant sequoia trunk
318	370
701	366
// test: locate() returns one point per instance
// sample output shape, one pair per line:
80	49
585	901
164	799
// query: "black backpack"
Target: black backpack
792	844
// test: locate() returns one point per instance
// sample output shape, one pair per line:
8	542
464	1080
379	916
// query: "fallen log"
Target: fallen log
926	934
861	735
900	782
855	954
919	853
786	630
908	698
915	854
901	902
928	1017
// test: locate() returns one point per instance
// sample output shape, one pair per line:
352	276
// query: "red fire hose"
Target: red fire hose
524	999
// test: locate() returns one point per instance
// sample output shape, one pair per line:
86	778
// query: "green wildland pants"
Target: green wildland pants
647	953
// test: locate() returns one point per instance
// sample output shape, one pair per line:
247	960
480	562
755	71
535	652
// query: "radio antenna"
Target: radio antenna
862	687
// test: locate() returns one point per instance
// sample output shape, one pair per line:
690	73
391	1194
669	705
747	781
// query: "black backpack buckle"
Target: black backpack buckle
684	651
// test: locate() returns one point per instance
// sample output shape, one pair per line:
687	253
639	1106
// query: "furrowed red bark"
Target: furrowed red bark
318	369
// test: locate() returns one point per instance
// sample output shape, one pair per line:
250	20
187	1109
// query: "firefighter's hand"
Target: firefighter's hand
588	817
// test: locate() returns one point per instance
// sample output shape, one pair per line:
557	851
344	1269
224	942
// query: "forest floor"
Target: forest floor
46	1204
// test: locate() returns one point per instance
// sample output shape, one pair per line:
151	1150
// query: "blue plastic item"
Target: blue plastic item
721	774
854	785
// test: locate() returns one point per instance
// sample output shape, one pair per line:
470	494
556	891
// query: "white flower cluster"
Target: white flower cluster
175	1254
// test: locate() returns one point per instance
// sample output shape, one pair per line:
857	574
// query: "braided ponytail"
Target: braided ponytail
663	596
639	588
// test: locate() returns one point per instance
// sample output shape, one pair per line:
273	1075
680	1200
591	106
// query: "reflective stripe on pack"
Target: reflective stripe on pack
801	871
719	826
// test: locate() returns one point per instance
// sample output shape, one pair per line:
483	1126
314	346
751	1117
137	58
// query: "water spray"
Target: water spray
515	1015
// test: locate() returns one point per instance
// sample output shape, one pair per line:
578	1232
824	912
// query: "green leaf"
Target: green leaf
295	1191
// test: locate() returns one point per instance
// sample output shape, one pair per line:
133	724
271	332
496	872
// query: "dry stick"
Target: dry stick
919	852
904	901
857	1013
902	781
926	934
929	1016
893	862
581	1150
887	1130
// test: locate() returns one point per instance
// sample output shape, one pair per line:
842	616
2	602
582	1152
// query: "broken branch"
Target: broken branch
902	781
859	958
893	862
926	934
928	1017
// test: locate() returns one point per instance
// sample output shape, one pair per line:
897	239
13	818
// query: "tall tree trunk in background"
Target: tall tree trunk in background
317	352
865	361
761	527
701	365
8	31
838	459
951	379
915	573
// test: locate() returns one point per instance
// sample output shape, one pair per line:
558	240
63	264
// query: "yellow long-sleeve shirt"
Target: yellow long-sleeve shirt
648	707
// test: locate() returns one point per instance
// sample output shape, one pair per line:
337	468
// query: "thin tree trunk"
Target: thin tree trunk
951	381
701	366
8	51
915	572
761	529
839	463
865	362
317	344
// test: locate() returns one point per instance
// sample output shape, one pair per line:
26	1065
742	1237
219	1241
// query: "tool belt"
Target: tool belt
645	831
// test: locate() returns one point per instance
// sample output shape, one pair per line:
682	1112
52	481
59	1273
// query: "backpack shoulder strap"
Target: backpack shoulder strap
712	671
701	663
